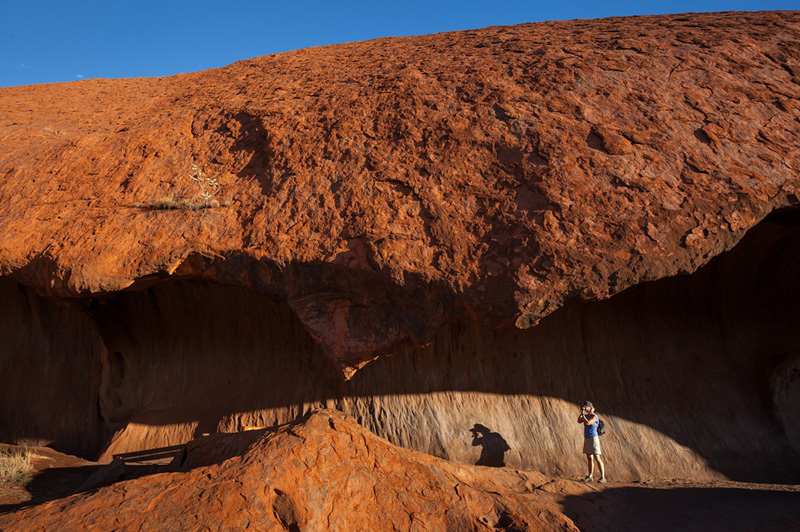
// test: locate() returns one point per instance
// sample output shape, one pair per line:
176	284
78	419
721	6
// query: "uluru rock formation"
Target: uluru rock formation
472	228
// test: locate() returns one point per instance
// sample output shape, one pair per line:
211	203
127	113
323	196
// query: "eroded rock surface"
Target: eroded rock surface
327	473
385	188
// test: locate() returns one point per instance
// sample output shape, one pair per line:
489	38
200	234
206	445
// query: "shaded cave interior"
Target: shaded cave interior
696	375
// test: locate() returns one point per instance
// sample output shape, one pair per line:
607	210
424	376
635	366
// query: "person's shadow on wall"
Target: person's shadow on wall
494	446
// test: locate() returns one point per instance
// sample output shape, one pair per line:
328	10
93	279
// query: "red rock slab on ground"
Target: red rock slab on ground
325	473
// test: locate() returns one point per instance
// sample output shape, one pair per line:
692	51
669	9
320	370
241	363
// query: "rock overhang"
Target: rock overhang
387	187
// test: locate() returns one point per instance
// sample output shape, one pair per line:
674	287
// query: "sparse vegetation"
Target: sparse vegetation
208	188
54	131
16	464
187	204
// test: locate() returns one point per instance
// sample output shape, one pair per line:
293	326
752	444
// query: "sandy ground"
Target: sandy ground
674	505
55	475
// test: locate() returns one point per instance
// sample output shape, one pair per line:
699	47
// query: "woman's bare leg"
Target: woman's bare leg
601	464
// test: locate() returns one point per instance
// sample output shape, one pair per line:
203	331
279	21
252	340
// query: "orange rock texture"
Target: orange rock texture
327	473
388	187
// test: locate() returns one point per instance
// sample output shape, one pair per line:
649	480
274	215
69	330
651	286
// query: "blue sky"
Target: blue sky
49	41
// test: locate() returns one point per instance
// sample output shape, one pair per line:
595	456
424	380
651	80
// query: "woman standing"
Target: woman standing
591	442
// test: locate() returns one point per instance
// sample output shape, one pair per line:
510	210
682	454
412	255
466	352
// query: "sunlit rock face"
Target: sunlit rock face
384	189
694	375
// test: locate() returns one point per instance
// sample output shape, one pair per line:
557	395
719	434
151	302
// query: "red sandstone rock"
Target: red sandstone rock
384	188
327	473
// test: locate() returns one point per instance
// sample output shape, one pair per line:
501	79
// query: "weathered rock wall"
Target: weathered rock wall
693	374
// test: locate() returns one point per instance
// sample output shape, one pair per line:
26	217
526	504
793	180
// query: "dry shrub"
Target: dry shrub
204	198
168	203
15	464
